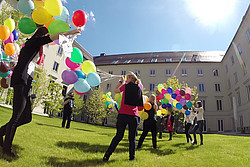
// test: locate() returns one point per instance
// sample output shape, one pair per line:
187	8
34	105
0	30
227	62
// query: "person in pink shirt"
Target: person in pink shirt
128	114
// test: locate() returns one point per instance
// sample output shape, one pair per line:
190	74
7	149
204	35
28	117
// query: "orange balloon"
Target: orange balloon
10	49
47	24
4	32
147	106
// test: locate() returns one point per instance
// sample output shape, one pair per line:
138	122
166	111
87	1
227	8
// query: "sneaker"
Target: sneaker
194	142
9	154
131	158
106	157
169	139
202	143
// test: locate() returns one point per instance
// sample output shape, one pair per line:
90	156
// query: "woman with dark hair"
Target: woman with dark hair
128	114
200	121
21	83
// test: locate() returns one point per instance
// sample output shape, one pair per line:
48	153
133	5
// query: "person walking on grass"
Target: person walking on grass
188	121
21	83
67	110
128	114
200	121
150	123
170	124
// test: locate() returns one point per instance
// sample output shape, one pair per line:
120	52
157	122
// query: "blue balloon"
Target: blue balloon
25	6
15	34
4	75
81	86
187	112
93	79
80	74
174	95
164	106
179	106
64	16
170	90
169	105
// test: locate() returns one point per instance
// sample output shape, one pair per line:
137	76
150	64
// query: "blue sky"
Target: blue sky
131	26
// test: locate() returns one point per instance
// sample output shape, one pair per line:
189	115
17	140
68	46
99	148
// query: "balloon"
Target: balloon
161	96
171	100
117	96
109	93
69	77
79	18
188	90
39	3
141	86
158	113
179	106
177	91
168	96
192	97
4	83
164	91
189	104
164	111
76	55
144	99
54	7
183	102
80	74
178	97
5	57
81	86
25	6
174	95
158	98
185	107
182	92
88	67
93	79
170	90
4	32
4	67
47	24
160	89
10	49
159	85
26	25
17	48
144	115
164	106
58	26
80	93
41	16
10	39
187	96
174	103
15	34
169	105
165	101
64	16
10	23
71	64
4	75
147	106
187	112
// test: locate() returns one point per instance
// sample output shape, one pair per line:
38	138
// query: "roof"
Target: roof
160	57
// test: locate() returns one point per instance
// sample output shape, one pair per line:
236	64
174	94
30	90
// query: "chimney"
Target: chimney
102	54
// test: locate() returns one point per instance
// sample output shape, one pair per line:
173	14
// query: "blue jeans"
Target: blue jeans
199	126
122	121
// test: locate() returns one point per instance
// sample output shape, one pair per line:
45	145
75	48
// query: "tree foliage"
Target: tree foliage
79	103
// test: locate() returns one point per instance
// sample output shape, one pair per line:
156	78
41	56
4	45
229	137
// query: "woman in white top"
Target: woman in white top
200	121
188	122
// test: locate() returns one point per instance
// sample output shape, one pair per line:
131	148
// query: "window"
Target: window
184	72
55	66
229	84
220	125
110	72
60	51
168	59
115	62
168	72
219	105
239	49
195	58
232	60
248	35
200	72
152	87
140	60
217	87
137	73
152	72
248	92
201	88
203	104
226	67
235	77
216	72
127	61
123	72
238	97
154	60
108	87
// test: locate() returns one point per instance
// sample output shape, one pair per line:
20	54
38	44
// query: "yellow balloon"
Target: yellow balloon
38	3
175	102
88	67
168	96
160	89
104	100
10	23
104	96
159	112
110	106
144	115
140	113
125	78
108	99
41	16
117	96
109	93
164	111
54	7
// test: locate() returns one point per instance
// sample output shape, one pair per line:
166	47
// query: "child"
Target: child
150	123
200	120
160	125
188	123
170	124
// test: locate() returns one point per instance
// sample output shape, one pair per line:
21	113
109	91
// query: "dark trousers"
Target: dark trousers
170	135
199	126
187	128
21	114
66	116
122	121
160	130
148	125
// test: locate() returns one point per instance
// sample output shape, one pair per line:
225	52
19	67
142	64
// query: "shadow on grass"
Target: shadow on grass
41	124
16	149
86	130
88	148
55	161
161	152
185	146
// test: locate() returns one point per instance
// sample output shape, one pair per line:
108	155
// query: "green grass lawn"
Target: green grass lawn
44	143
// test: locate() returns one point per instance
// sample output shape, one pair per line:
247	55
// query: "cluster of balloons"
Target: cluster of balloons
81	73
108	102
118	99
180	99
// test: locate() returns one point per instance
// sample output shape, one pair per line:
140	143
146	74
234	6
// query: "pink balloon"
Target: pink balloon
178	97
10	39
71	64
177	91
80	93
171	100
141	86
188	90
161	96
187	96
23	45
164	91
11	72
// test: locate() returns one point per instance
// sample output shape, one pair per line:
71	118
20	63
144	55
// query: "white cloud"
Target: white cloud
64	1
91	16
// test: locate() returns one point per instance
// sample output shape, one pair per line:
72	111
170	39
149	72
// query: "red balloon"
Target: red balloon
79	18
4	83
80	93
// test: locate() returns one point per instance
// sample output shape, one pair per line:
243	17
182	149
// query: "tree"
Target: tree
94	108
78	102
53	99
40	86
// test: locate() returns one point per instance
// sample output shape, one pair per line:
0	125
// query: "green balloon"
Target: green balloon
27	25
5	57
76	56
58	26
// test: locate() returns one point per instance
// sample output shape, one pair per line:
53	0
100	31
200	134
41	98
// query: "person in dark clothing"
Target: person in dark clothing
170	124
128	115
160	125
150	123
188	123
21	83
67	110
